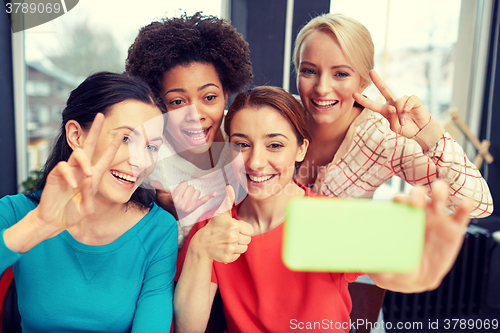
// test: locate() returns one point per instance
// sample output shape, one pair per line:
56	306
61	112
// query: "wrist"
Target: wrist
198	248
429	135
28	232
44	229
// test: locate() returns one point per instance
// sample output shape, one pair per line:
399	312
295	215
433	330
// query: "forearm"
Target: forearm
27	233
465	180
194	292
404	283
443	158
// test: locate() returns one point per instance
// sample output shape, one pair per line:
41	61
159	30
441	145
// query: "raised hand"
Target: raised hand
183	201
68	195
406	115
444	235
224	238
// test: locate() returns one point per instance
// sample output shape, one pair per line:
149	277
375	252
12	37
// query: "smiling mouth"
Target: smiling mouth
124	177
197	135
323	104
260	179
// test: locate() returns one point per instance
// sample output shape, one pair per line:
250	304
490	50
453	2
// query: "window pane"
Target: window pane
93	36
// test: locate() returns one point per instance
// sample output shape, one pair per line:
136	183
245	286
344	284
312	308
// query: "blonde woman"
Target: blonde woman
357	144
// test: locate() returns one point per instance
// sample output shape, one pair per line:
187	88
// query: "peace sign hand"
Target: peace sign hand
68	195
406	115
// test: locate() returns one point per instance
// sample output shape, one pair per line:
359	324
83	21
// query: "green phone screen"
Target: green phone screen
353	235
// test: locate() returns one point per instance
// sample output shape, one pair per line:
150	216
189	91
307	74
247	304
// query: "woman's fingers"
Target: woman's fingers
87	196
238	249
417	197
246	229
382	87
228	202
93	135
394	106
110	153
62	168
79	159
183	197
412	102
191	199
156	185
439	195
203	200
368	103
401	110
244	238
187	199
462	212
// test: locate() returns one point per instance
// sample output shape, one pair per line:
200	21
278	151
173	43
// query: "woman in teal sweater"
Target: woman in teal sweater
92	252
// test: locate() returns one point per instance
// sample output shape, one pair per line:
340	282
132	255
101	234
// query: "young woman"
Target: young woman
358	144
243	259
193	63
90	250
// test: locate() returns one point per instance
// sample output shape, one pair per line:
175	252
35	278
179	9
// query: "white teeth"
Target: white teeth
197	135
124	176
259	179
325	103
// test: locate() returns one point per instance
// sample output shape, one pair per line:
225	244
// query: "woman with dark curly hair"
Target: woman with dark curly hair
193	63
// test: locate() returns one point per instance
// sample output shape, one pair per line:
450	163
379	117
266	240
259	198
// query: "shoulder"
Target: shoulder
14	207
158	215
157	226
157	234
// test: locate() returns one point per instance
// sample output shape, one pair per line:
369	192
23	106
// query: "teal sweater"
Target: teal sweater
66	286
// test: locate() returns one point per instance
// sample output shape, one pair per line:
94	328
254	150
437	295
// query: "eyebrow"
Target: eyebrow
333	67
133	130
270	135
158	138
184	90
125	127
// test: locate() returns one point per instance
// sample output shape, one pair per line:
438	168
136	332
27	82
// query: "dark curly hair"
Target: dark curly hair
161	46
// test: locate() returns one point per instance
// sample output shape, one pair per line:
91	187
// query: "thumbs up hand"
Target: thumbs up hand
224	238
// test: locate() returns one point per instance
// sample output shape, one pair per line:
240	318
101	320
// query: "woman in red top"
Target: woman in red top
239	251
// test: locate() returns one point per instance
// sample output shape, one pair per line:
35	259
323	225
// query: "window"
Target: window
93	36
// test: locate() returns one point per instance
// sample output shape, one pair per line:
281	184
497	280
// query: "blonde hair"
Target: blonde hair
353	37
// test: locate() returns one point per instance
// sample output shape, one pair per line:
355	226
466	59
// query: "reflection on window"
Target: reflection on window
37	88
47	90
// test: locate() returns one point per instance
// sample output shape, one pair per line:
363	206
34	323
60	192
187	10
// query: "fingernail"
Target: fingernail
402	121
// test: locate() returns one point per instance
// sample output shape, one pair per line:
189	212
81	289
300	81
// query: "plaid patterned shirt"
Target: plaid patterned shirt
371	154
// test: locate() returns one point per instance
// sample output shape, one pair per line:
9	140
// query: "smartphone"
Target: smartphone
352	235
